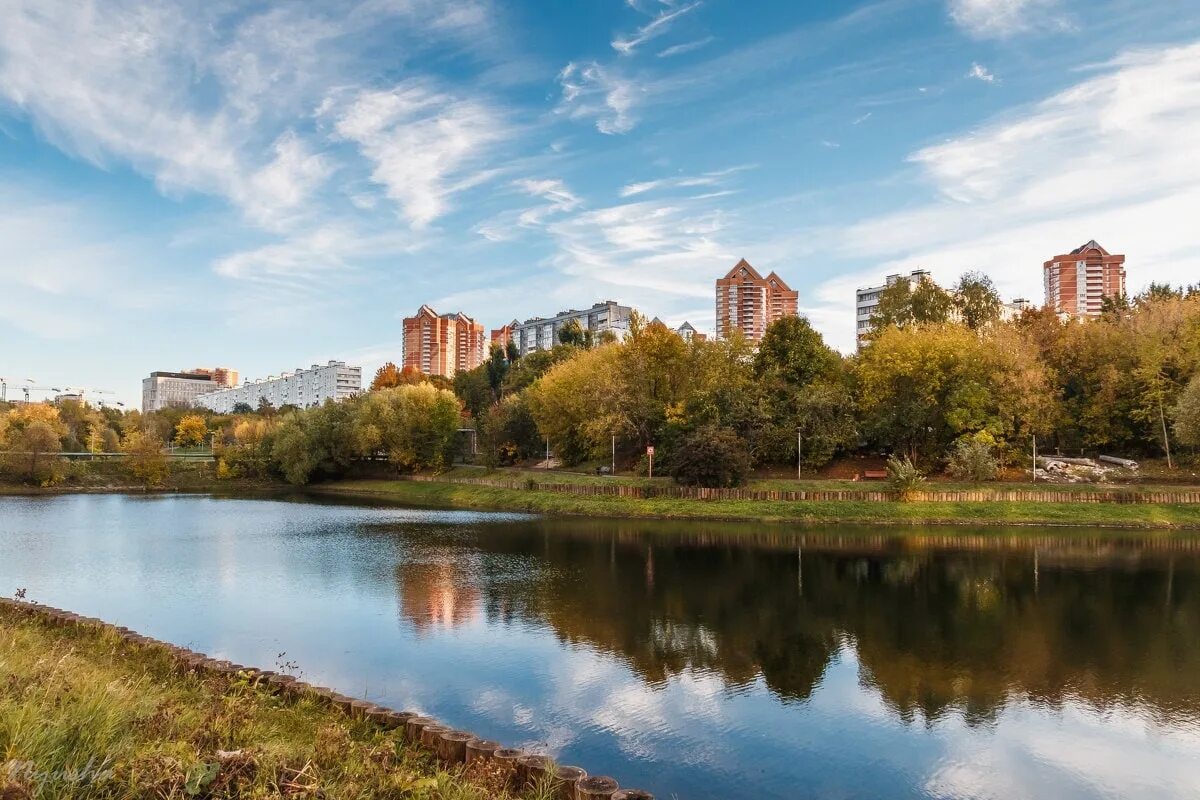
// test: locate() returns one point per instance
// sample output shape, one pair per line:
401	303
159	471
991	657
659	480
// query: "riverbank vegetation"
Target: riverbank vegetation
943	385
83	714
446	494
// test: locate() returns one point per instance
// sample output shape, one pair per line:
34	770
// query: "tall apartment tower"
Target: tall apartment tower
748	302
1078	282
443	344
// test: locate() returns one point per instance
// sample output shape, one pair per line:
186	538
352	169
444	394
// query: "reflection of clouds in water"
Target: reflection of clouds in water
1079	753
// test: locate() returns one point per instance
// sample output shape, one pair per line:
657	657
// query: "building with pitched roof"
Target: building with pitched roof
1077	282
443	344
748	302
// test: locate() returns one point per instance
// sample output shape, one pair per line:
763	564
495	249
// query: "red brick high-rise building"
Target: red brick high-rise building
1077	282
748	302
443	344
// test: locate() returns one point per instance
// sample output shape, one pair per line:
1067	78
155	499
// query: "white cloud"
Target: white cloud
590	91
980	72
1114	158
686	47
686	181
209	98
424	143
653	29
1002	18
560	200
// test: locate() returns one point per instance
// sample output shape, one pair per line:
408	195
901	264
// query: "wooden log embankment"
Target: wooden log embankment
448	745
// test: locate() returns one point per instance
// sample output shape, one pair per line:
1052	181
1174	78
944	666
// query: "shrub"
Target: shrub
904	476
712	457
974	459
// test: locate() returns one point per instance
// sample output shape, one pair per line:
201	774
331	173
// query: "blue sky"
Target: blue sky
264	186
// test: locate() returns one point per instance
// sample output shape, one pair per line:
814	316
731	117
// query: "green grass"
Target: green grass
567	476
71	698
451	495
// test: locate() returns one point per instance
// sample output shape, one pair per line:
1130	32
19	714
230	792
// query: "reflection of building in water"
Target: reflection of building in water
438	595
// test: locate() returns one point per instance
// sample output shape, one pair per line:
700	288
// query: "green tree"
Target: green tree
319	442
416	426
572	334
910	301
977	300
473	387
974	459
711	457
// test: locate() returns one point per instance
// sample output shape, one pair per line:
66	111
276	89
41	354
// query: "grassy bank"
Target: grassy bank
85	714
451	495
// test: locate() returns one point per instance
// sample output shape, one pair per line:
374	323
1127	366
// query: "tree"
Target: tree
242	408
390	376
508	431
571	333
415	426
512	352
974	459
265	407
497	367
473	387
191	431
923	386
711	457
794	354
144	457
902	304
977	300
1186	414
317	442
32	450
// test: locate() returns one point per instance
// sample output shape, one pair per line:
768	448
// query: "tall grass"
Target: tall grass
84	715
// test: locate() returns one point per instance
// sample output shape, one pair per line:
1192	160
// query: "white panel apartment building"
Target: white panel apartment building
302	387
542	334
867	300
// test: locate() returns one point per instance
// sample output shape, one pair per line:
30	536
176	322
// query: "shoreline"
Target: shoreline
449	495
110	686
433	493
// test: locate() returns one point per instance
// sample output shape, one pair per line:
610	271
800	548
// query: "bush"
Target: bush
904	476
974	459
712	457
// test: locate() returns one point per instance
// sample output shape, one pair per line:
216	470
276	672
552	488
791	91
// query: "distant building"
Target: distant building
174	389
867	301
1077	282
72	396
221	376
541	333
748	302
303	388
504	334
1011	311
443	344
689	333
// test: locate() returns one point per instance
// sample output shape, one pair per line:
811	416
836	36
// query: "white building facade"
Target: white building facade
867	300
174	390
303	388
542	334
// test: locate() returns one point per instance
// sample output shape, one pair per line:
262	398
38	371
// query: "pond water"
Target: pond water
697	660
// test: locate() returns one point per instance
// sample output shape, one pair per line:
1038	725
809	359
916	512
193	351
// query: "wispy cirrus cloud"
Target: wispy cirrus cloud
424	143
998	19
981	73
686	47
591	91
682	181
626	45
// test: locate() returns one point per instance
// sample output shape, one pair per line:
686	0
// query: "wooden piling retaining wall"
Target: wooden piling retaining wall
450	746
982	495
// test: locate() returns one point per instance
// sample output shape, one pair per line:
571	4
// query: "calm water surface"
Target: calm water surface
697	660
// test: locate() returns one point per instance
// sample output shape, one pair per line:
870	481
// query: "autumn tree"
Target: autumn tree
32	450
319	442
1186	414
191	431
144	457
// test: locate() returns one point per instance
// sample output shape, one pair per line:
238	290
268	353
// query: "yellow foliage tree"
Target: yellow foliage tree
191	431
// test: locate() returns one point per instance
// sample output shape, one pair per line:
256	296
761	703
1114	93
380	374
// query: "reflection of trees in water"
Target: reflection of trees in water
934	628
